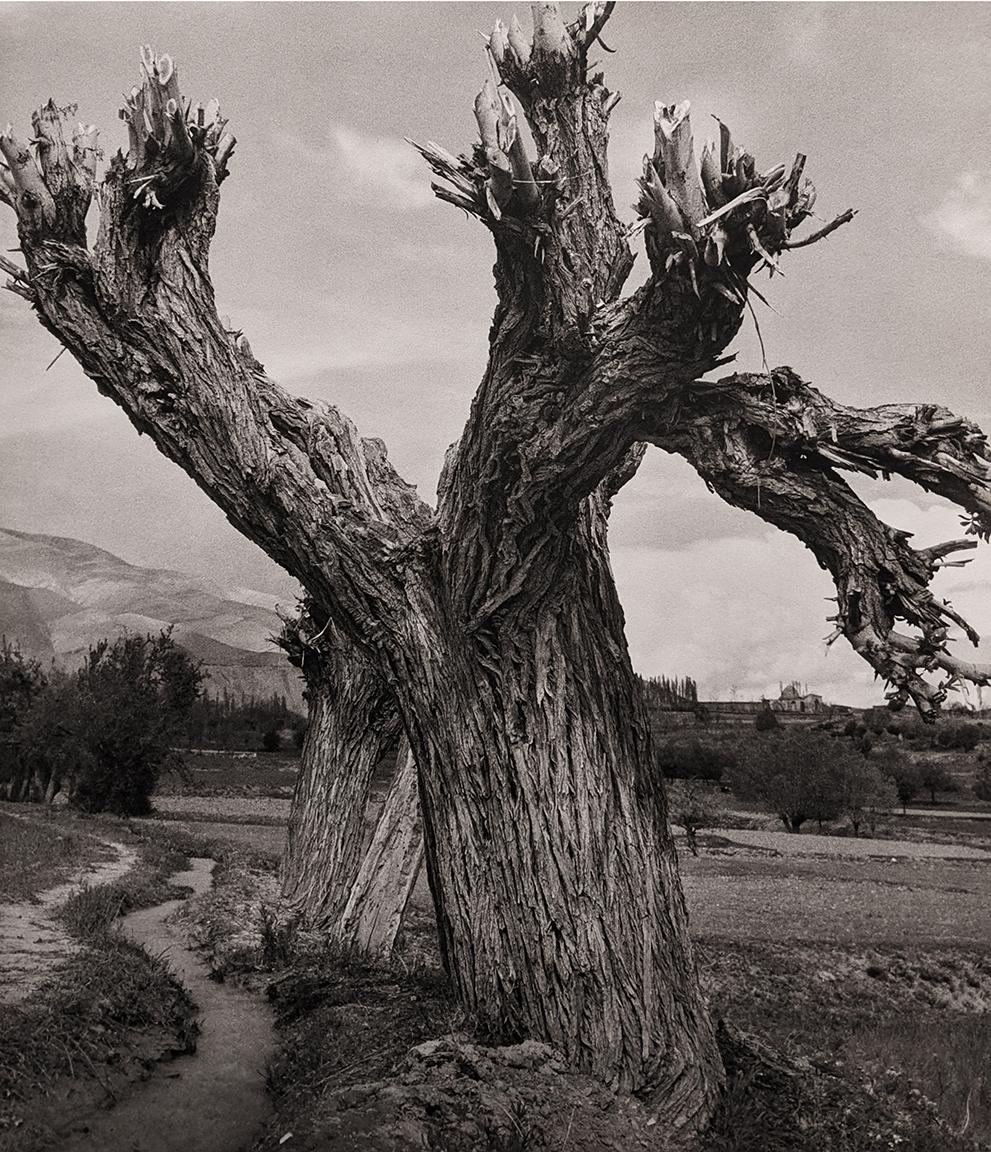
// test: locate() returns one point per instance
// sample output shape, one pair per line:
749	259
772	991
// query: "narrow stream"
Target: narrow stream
214	1100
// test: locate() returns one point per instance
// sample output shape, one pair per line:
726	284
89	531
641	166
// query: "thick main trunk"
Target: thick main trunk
390	867
553	868
351	723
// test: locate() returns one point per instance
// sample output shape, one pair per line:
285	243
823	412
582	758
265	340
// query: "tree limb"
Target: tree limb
138	314
575	372
772	444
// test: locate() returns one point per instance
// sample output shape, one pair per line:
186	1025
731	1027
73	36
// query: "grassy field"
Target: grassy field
903	1021
228	774
40	853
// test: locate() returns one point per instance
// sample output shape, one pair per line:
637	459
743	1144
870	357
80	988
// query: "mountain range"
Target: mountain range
58	596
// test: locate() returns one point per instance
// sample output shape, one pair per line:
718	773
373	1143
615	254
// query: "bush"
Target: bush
958	734
903	774
691	759
982	786
271	740
766	721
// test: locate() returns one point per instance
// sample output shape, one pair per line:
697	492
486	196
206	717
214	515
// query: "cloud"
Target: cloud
742	612
738	614
963	217
378	168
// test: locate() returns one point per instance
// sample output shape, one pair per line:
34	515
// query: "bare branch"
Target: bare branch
843	218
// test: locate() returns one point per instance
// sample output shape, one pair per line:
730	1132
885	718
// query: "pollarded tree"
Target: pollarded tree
493	618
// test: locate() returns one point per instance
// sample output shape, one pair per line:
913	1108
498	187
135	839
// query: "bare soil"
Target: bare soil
33	943
39	852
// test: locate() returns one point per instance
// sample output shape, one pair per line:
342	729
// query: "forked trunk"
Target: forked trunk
351	723
389	869
549	854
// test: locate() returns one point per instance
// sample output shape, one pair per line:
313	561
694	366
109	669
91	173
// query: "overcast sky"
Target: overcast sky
354	285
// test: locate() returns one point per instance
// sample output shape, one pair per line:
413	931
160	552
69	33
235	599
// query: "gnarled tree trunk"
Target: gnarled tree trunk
548	850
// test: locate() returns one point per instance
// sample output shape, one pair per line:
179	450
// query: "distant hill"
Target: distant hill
58	596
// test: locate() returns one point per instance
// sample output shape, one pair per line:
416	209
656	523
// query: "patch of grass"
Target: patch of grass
775	1105
910	1030
223	774
946	1056
80	1026
92	911
40	852
345	1020
264	842
257	819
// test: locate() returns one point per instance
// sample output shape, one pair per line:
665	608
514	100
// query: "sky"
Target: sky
355	285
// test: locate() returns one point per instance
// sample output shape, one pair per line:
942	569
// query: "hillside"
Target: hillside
58	595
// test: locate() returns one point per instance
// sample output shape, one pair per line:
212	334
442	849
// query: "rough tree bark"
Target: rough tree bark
389	869
336	885
352	724
493	620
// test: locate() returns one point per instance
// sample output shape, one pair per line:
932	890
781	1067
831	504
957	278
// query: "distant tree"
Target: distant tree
905	775
271	740
105	732
958	734
21	679
799	775
982	785
690	805
866	793
933	777
238	723
49	751
876	720
766	720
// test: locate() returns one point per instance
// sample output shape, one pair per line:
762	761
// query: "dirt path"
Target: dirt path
213	1101
949	813
807	844
32	942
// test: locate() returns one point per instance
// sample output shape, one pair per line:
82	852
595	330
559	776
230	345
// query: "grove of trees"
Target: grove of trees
101	733
802	776
490	624
663	692
241	722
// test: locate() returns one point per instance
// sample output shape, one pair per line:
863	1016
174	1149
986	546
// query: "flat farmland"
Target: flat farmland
747	885
840	891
